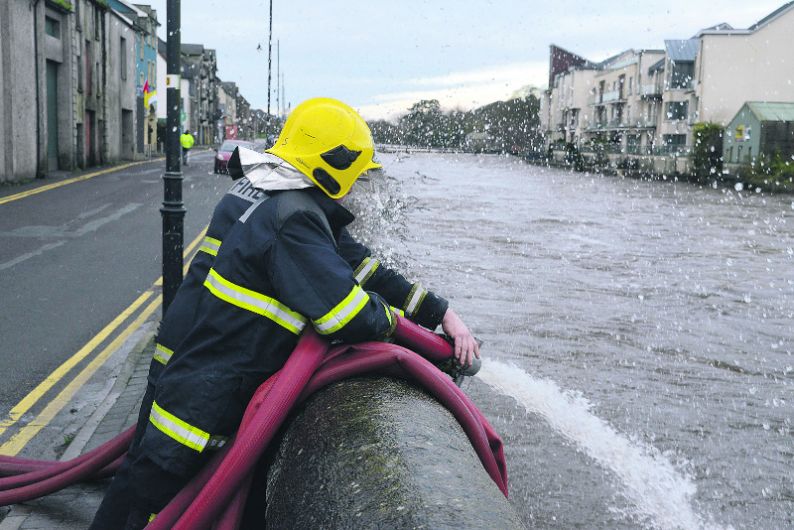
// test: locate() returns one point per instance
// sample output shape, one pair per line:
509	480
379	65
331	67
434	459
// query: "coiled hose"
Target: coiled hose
217	494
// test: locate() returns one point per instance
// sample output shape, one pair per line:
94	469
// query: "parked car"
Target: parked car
224	153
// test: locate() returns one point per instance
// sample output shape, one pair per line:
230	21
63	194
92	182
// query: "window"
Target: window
123	57
89	69
80	68
630	84
52	27
677	110
632	143
682	74
675	142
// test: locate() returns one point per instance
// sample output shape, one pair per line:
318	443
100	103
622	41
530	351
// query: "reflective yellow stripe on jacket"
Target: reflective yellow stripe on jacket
255	302
162	354
414	299
179	430
365	270
210	245
344	312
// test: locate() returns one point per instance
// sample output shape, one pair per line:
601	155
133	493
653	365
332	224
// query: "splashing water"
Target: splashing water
651	481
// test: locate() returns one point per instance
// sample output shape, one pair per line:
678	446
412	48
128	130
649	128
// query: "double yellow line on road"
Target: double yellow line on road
17	442
47	187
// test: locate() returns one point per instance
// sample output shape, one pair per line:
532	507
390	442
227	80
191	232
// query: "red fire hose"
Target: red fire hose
217	494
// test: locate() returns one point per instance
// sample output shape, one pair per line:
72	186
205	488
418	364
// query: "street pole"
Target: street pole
173	211
269	67
278	78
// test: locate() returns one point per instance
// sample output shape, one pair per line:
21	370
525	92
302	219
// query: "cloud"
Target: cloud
493	74
464	90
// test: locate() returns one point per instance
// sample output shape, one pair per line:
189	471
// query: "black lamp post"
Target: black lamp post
173	211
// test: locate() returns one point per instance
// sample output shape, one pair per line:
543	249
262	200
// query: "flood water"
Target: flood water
638	335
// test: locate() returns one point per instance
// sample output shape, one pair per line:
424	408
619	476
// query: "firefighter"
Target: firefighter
277	257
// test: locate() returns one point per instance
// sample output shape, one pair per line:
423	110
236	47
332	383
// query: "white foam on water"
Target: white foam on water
658	490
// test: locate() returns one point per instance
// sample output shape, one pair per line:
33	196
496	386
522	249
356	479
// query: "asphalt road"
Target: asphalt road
73	258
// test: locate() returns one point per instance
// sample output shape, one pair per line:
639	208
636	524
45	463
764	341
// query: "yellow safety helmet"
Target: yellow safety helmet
329	142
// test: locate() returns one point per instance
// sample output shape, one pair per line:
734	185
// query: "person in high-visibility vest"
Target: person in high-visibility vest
277	260
187	141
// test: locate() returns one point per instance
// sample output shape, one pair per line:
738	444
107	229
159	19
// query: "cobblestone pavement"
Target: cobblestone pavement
74	507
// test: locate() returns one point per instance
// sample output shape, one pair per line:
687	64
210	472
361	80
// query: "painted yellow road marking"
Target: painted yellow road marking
42	388
20	439
47	187
28	401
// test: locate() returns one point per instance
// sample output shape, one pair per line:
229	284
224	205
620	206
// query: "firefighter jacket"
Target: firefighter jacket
405	297
178	320
284	264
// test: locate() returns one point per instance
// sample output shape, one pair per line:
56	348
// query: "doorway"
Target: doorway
52	116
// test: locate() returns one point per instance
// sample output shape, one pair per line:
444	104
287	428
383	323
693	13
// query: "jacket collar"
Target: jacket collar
338	216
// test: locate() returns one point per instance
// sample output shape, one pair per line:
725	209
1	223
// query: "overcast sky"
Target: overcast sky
382	55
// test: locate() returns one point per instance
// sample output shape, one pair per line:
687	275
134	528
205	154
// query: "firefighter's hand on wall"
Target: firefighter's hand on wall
466	348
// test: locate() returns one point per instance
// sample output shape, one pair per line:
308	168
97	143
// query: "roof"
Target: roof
682	50
771	16
192	49
722	26
658	65
772	111
725	29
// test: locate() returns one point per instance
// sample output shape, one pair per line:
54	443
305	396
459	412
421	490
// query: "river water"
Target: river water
638	335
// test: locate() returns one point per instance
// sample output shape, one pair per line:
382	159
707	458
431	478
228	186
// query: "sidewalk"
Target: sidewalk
74	507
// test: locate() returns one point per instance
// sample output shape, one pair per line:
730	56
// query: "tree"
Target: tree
420	126
707	151
512	126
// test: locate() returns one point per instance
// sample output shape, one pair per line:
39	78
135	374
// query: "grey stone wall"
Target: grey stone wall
18	106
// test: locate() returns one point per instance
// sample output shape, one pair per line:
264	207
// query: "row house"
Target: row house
614	101
199	64
646	101
186	107
67	72
227	105
144	19
244	117
623	100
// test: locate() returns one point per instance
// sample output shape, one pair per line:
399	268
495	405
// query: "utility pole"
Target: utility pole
269	68
173	210
278	79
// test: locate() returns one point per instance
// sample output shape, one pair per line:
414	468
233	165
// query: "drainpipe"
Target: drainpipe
34	5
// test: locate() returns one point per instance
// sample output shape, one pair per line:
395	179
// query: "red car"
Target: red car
223	154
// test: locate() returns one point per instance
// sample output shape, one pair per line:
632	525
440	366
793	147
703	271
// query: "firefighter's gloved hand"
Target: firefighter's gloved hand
466	347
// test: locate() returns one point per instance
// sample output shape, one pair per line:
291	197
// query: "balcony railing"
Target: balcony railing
611	97
653	90
623	124
642	150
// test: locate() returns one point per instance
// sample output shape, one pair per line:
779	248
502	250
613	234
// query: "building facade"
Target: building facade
144	21
72	105
227	106
646	101
199	65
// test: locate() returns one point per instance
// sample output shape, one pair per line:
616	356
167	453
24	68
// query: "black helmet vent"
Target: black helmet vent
325	180
340	157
